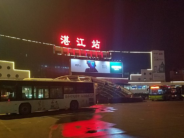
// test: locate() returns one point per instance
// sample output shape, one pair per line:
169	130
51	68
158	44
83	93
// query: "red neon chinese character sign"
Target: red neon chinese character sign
80	42
65	40
96	44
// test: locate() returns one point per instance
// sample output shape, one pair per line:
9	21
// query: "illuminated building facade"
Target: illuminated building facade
43	61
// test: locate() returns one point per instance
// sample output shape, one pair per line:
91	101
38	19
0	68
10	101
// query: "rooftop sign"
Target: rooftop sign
80	42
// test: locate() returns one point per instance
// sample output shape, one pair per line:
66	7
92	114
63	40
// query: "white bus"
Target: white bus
27	96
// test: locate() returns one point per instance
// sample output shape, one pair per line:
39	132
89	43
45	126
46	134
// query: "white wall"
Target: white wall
7	71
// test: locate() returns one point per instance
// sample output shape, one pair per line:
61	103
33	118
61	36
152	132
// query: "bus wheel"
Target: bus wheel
74	105
25	109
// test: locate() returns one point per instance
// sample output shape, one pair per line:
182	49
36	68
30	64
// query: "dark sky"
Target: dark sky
142	25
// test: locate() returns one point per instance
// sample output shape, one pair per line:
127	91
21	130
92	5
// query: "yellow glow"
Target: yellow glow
155	87
150	62
16	69
144	82
111	78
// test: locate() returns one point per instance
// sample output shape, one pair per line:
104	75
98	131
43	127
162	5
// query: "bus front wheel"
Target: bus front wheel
25	109
74	105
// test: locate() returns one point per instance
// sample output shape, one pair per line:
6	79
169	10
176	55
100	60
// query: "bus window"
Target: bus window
87	88
26	92
8	93
41	92
80	89
69	89
56	92
160	91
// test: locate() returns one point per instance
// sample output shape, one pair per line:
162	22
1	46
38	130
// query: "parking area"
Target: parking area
147	119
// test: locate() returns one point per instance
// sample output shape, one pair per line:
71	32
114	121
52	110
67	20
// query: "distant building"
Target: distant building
177	75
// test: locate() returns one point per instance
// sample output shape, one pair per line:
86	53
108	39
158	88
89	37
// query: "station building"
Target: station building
137	81
135	70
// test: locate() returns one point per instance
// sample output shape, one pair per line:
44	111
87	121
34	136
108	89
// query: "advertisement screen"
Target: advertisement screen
95	66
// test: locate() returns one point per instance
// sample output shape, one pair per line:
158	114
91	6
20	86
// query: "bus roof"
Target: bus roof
44	80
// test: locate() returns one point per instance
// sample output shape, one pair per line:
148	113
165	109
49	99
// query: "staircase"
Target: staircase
104	89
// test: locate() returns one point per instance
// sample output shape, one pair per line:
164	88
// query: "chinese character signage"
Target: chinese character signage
65	40
96	44
80	42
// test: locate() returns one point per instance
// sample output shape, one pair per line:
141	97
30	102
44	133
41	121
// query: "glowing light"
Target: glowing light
80	42
116	67
155	87
65	40
138	52
177	81
143	82
96	44
112	78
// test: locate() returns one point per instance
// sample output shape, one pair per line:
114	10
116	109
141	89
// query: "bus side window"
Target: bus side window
26	92
80	89
68	89
87	88
56	92
8	93
41	92
4	95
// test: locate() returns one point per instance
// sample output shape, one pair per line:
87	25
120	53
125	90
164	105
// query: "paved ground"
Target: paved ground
124	120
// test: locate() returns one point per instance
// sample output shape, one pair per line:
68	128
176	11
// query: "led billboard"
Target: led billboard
95	66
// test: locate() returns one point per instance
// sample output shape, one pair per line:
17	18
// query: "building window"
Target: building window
8	67
0	75
139	79
8	75
150	73
144	73
0	67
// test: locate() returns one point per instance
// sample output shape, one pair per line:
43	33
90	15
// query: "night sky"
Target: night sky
126	25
